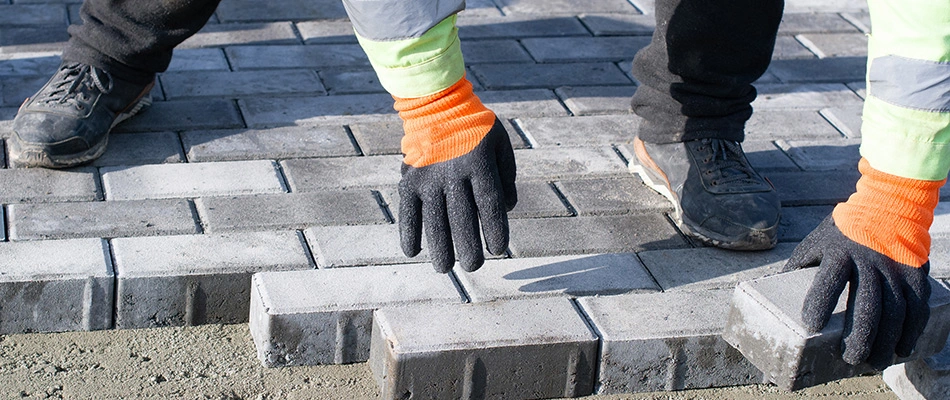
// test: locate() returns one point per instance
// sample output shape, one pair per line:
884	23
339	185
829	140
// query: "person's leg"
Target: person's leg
108	69
694	97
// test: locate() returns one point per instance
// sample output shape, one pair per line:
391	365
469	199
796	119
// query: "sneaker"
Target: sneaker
718	197
67	122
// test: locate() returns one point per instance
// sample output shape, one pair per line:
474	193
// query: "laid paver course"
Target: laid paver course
827	45
765	325
40	221
584	49
572	275
823	154
189	84
799	6
927	378
601	130
712	268
814	22
518	26
44	290
217	35
611	196
349	246
846	119
560	163
814	188
596	100
18	39
547	7
15	89
36	185
839	69
29	64
198	60
196	279
786	47
325	316
766	157
250	10
774	124
191	180
350	80
379	138
814	96
594	234
535	200
619	24
312	174
494	51
326	32
141	148
523	103
534	349
274	143
798	222
32	14
296	56
263	112
523	76
289	211
861	19
209	113
665	341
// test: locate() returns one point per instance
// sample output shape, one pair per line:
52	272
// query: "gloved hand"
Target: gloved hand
878	242
447	185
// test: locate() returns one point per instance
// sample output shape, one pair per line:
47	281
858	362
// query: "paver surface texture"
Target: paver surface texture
270	127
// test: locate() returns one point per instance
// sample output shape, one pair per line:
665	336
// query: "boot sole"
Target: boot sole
30	155
654	178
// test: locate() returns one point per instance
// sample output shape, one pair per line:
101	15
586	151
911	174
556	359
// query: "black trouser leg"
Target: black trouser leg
133	39
696	75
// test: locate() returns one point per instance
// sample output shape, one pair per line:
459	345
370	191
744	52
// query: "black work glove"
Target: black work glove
887	301
449	198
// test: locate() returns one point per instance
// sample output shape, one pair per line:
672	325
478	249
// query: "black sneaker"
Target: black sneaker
718	197
67	122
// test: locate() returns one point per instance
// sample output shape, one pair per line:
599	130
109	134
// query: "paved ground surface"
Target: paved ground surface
270	127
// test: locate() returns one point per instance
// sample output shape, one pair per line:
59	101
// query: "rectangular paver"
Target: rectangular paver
289	210
188	84
585	49
262	112
712	268
611	196
589	235
523	103
574	275
770	124
106	219
520	76
346	246
503	349
350	80
798	222
312	174
547	7
326	32
33	185
274	143
519	26
823	154
198	60
765	325
29	64
325	316
196	279
209	113
537	200
814	188
141	148
218	35
55	286
927	378
804	95
296	56
601	130
191	180
572	162
597	100
665	341
619	24
250	10
839	69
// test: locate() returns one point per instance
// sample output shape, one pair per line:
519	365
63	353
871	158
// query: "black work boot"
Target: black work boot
67	122
718	197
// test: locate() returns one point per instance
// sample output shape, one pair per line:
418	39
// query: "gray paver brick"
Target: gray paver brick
608	196
596	234
765	325
141	148
44	291
15	89
601	130
198	60
619	24
787	47
538	200
480	8
185	114
859	88
712	268
927	378
191	180
519	26
518	76
800	6
347	246
196	279
29	64
586	49
494	51
666	341
32	38
325	316
101	219
827	45
218	35
765	156
798	222
536	348
795	23
378	138
241	83
940	257
32	14
31	185
296	56
305	175
260	112
846	119
594	100
351	81
326	32
275	143
573	275
289	211
295	10
861	19
523	103
838	69
570	162
565	7
823	154
807	95
814	188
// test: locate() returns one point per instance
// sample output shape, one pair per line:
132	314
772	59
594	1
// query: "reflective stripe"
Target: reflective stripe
418	67
906	82
383	20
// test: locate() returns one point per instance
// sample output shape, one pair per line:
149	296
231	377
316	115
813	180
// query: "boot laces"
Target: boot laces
727	162
72	86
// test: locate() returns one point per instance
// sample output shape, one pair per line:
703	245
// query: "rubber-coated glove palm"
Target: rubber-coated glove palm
449	198
887	301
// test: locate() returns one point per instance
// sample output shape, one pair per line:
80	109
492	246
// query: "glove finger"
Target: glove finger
893	313
916	291
464	223
505	161
491	211
808	253
410	221
822	297
437	230
863	316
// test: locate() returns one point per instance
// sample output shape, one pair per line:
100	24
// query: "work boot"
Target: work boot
67	122
719	198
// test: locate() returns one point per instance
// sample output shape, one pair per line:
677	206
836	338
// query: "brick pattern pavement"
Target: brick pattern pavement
272	146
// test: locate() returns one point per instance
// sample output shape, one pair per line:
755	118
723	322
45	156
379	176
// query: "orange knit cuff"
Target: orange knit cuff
443	126
890	215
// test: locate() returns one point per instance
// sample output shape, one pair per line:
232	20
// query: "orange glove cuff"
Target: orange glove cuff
890	215
443	126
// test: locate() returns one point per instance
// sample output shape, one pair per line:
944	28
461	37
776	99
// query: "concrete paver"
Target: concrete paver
191	180
274	143
346	246
214	35
141	148
288	211
596	100
926	378
595	234
38	221
523	76
21	185
681	269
